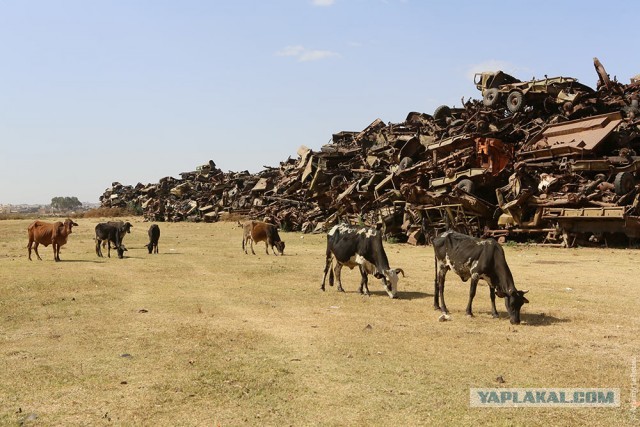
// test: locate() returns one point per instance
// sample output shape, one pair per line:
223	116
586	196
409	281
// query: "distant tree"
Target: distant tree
65	203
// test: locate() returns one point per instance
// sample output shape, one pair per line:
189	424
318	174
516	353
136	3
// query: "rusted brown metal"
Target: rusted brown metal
544	171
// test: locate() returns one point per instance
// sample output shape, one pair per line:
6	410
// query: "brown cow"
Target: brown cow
49	234
258	231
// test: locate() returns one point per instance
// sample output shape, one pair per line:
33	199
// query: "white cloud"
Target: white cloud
323	2
291	51
306	55
495	65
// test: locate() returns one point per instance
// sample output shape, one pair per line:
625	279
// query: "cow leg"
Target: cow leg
35	249
364	282
266	247
251	242
472	294
55	247
442	273
492	294
98	251
436	302
29	248
336	271
327	265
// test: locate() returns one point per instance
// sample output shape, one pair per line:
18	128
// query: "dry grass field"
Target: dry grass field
202	334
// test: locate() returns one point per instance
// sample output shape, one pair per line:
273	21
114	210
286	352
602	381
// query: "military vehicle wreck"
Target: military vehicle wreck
561	168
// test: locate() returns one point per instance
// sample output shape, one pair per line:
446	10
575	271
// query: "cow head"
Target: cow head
390	280
280	246
513	302
149	247
121	250
126	227
68	224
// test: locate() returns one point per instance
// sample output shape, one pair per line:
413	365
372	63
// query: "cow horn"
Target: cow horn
399	270
524	291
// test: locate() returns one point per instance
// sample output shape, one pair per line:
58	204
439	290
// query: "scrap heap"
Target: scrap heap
548	160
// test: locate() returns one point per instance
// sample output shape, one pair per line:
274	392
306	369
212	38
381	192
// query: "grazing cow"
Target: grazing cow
111	234
47	233
474	258
362	247
258	231
154	236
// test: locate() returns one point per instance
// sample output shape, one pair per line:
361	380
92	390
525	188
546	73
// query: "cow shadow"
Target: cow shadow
164	253
541	319
411	295
79	260
406	295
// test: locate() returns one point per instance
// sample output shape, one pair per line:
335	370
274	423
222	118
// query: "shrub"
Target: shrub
104	213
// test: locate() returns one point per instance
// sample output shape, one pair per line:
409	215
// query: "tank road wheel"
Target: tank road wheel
491	97
442	112
515	101
623	183
466	185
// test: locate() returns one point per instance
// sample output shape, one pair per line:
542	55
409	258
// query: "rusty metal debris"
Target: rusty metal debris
558	163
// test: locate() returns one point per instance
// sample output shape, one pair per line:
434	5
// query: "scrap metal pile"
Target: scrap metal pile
548	160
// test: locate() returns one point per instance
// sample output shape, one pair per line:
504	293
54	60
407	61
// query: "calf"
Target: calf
477	259
362	247
154	236
111	234
258	231
47	233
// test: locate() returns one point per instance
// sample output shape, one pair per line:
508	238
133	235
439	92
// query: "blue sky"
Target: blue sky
93	92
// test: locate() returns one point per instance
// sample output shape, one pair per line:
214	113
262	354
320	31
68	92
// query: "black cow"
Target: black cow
154	236
111	234
475	259
124	227
362	247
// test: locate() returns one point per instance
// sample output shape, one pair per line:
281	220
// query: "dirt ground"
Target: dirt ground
202	334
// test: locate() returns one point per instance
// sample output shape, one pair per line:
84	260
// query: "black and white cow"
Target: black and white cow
111	234
361	247
475	259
